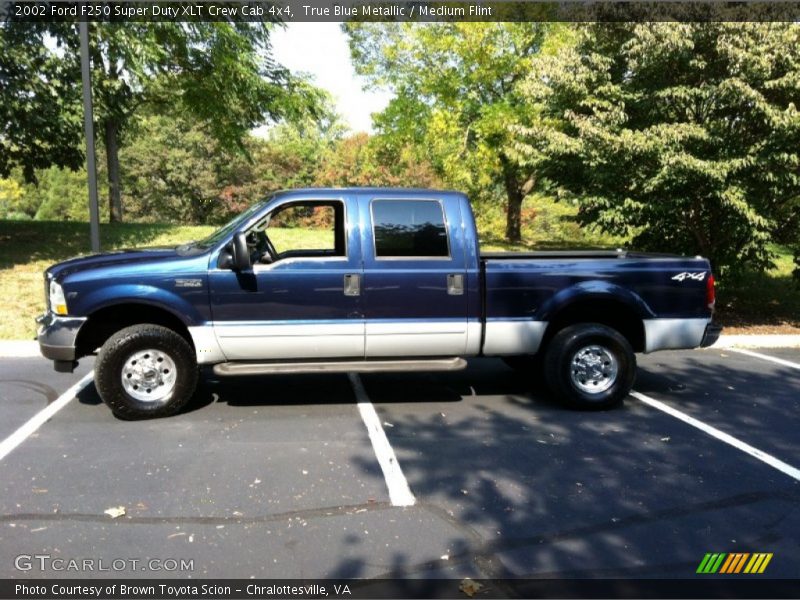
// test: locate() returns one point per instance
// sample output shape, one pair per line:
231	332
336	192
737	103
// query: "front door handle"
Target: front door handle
455	284
352	285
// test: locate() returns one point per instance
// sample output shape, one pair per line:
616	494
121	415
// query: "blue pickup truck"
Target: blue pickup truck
363	280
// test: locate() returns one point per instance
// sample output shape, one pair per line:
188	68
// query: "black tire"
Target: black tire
125	344
601	348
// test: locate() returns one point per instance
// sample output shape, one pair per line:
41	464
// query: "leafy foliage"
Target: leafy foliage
41	119
361	160
219	73
684	136
456	88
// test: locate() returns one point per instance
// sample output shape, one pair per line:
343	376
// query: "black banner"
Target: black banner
224	589
400	10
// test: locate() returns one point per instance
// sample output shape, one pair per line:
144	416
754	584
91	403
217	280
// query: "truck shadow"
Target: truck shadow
534	490
416	387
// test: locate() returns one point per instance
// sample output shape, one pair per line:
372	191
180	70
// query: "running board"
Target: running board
228	369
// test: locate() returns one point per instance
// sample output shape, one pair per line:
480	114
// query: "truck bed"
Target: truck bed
561	254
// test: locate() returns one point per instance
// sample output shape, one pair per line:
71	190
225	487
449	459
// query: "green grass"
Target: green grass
307	239
27	248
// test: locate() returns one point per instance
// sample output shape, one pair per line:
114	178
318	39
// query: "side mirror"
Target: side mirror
240	252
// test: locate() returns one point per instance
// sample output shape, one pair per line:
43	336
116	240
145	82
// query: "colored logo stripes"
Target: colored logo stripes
734	562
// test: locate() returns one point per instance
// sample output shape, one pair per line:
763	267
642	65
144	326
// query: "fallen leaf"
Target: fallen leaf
115	511
470	587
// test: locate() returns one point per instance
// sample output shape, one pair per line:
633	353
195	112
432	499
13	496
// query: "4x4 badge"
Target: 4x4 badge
686	275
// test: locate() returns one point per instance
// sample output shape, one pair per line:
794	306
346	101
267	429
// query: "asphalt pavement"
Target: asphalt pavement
292	476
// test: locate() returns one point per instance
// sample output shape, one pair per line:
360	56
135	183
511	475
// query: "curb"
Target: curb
757	341
19	348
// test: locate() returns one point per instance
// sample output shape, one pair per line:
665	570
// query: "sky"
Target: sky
320	49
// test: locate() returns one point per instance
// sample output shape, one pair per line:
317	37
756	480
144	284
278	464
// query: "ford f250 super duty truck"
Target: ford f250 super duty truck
390	279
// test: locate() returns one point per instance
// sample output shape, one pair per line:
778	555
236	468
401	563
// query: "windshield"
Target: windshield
229	227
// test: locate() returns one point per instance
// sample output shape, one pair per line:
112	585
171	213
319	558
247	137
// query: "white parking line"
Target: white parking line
399	491
779	361
37	420
722	436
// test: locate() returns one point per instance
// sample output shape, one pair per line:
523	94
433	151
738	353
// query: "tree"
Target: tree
59	194
220	73
684	136
13	203
40	111
457	94
362	160
177	172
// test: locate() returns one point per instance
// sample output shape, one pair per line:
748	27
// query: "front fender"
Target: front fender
132	293
599	291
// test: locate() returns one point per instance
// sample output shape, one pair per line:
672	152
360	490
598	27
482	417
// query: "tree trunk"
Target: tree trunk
112	162
515	196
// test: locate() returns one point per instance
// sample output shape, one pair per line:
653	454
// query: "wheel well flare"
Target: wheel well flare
616	315
105	322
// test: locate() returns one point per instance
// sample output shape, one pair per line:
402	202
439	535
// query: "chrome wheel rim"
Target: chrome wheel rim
594	369
149	375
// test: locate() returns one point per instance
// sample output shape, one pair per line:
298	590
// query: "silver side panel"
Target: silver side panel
673	334
416	338
509	338
206	345
260	341
474	329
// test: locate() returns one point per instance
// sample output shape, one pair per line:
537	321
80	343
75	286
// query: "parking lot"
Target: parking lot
477	476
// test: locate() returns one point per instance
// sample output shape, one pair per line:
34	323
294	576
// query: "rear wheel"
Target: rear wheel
590	366
146	371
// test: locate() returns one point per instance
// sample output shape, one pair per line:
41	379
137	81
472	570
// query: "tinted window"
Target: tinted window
409	228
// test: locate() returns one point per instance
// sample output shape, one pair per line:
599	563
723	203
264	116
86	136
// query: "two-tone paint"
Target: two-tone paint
361	306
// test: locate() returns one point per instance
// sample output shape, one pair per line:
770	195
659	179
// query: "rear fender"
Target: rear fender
599	291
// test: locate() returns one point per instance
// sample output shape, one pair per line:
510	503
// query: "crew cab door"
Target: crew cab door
414	297
303	302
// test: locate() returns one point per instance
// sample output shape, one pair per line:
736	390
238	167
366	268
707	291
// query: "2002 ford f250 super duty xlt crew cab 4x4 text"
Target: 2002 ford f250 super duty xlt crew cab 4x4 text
391	279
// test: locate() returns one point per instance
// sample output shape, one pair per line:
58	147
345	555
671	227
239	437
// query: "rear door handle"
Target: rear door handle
455	284
352	285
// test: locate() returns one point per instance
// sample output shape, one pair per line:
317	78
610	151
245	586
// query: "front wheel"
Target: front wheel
590	366
146	371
